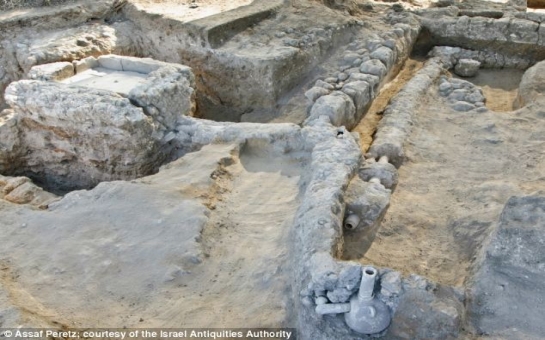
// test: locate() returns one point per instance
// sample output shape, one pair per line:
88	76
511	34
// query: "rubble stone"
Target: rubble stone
338	106
467	67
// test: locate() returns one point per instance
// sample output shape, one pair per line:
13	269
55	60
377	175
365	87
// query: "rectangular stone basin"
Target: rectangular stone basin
100	78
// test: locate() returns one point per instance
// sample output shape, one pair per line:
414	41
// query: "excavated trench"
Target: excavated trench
215	236
460	170
245	245
357	242
254	213
239	201
218	97
211	230
367	126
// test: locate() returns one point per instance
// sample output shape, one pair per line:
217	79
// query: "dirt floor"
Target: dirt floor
243	281
178	264
461	169
189	10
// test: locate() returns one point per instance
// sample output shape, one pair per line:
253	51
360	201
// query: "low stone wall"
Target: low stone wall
396	123
322	278
488	59
508	36
367	64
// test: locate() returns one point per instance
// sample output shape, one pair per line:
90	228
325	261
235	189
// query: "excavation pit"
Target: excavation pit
77	124
266	225
457	173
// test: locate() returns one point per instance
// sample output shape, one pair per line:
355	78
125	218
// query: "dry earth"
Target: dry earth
461	170
234	272
242	225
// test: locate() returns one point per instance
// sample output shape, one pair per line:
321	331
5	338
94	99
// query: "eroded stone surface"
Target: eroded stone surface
75	136
532	85
506	294
55	71
160	247
20	190
467	67
462	95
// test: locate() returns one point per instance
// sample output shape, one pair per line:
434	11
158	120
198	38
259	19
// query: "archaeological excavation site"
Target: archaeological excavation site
335	169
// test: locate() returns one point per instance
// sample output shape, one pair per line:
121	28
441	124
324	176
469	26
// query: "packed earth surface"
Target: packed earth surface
339	169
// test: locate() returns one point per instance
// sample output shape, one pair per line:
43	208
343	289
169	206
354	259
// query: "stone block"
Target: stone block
467	67
338	106
55	71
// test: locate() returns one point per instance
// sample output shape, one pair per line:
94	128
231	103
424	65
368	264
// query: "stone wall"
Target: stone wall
335	190
508	36
367	64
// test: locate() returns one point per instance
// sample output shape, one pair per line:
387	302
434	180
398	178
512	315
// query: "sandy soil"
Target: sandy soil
189	10
368	124
244	280
500	87
461	169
